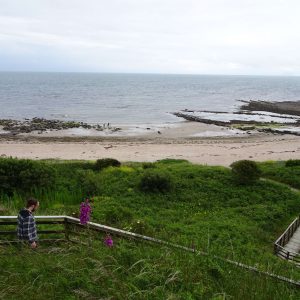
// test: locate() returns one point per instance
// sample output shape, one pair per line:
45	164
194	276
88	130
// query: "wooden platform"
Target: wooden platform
287	246
293	244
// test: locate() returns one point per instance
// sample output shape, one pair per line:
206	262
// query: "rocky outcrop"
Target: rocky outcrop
283	107
40	125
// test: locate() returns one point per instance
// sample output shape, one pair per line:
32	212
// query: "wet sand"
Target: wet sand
190	140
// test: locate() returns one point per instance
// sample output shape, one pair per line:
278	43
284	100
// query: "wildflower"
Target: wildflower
85	211
108	241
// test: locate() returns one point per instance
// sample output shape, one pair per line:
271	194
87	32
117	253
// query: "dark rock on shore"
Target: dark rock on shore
280	132
40	125
288	111
283	107
202	120
225	123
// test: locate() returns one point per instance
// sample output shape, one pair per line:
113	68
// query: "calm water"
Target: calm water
131	98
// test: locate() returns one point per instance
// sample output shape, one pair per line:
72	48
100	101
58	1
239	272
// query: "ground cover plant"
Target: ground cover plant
130	270
285	172
203	207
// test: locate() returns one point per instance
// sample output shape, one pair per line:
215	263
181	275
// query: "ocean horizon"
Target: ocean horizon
118	98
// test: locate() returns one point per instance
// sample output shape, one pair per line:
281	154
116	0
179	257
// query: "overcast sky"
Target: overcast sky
151	36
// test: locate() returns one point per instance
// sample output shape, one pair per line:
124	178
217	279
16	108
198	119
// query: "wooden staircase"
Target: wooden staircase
287	246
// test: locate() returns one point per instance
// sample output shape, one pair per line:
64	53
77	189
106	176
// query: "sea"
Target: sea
132	98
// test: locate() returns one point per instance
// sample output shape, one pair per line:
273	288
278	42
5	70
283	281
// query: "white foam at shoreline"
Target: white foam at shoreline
229	132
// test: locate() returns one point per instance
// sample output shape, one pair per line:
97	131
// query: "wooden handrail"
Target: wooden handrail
49	220
103	228
36	217
284	239
66	220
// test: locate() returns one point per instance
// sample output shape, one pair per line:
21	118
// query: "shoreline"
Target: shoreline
209	151
253	117
165	131
194	141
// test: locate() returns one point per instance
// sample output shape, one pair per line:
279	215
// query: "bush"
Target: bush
106	162
293	163
89	182
23	175
148	165
169	161
245	171
155	182
118	215
140	227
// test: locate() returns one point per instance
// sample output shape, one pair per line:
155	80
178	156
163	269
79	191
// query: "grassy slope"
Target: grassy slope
278	171
129	271
205	208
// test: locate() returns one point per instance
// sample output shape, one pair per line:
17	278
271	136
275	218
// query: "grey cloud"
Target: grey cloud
170	36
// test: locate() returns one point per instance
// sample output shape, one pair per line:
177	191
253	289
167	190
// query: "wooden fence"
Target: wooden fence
279	244
68	228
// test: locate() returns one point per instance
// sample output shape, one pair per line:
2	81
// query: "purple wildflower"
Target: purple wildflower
85	211
108	241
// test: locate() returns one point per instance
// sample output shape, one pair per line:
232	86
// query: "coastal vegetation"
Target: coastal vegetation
196	206
245	171
284	172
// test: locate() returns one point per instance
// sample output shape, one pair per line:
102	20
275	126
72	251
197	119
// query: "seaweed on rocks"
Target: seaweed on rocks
42	125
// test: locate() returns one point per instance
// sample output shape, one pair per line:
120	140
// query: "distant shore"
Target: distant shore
253	117
188	140
211	142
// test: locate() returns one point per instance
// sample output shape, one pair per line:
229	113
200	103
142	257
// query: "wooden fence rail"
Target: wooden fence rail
9	223
279	244
68	222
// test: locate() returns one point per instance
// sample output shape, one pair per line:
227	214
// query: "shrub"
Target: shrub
245	171
106	162
118	215
89	182
148	165
140	227
168	161
293	163
155	182
24	175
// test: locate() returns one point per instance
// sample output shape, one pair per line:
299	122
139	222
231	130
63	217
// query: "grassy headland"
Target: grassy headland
192	205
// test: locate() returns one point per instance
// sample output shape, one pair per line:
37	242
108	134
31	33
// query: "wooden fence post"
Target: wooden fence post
66	225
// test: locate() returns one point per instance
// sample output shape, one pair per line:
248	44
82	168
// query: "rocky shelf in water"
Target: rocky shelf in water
41	125
282	107
275	120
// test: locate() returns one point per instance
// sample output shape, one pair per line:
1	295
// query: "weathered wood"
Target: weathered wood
4	242
36	217
37	221
127	234
10	232
287	246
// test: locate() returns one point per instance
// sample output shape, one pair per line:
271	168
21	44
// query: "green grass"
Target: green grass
129	271
204	208
279	172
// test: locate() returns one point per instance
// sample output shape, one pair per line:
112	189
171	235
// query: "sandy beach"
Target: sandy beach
196	142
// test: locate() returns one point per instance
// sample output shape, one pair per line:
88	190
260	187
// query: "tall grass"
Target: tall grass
205	209
280	172
129	271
